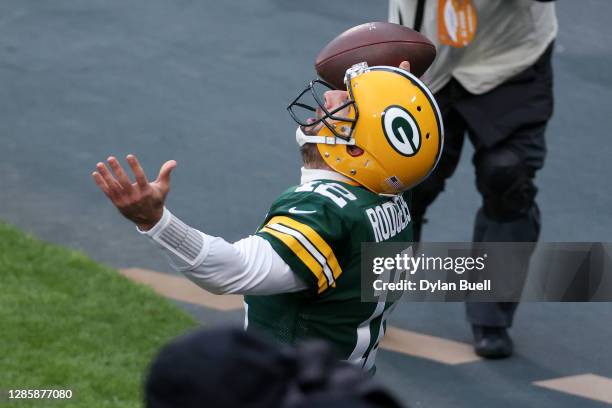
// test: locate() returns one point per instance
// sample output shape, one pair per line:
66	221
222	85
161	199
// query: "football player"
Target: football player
362	149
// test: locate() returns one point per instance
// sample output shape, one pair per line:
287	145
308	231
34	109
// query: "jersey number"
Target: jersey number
334	191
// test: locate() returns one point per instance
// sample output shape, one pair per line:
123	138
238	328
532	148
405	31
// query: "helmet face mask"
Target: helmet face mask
389	114
303	108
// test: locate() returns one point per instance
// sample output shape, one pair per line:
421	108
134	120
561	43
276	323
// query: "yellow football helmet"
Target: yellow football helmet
390	115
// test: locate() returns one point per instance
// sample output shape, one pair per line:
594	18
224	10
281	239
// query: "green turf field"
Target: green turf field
68	322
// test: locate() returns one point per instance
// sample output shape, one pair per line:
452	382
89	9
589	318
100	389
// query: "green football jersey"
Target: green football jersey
317	228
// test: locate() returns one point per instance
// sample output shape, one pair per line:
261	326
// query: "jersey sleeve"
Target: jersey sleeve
308	233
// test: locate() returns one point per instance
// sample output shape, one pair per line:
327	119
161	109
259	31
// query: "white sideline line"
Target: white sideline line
402	341
182	289
433	348
591	386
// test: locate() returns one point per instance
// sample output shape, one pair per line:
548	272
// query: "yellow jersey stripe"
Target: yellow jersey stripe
308	246
314	237
298	249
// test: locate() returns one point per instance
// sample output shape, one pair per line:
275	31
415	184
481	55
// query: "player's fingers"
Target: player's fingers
164	173
122	177
101	183
113	185
139	174
405	65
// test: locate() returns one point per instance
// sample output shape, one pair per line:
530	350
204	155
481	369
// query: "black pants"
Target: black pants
507	122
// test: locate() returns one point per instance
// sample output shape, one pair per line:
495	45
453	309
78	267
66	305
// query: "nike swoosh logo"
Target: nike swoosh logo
294	210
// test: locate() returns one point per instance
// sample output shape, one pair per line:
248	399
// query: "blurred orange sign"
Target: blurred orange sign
457	20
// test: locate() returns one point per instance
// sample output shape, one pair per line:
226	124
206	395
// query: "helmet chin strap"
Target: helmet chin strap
302	138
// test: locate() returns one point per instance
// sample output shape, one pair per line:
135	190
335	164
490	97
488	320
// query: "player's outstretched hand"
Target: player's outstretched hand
140	202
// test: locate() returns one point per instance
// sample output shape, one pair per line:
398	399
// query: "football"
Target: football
376	43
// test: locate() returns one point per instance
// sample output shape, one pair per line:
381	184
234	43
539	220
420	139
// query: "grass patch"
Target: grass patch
69	322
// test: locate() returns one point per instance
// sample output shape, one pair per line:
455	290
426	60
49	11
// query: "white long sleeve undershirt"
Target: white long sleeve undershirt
249	266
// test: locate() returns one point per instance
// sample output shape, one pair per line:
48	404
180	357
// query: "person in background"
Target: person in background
493	81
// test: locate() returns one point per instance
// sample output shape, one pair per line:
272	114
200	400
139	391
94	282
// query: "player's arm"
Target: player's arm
249	266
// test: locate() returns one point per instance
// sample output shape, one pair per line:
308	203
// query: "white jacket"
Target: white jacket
510	36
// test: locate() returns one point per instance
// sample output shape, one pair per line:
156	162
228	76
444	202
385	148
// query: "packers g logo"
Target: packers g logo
401	130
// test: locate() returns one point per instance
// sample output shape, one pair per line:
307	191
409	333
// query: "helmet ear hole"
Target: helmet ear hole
354	151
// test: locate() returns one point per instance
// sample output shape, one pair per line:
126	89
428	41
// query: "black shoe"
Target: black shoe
492	342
